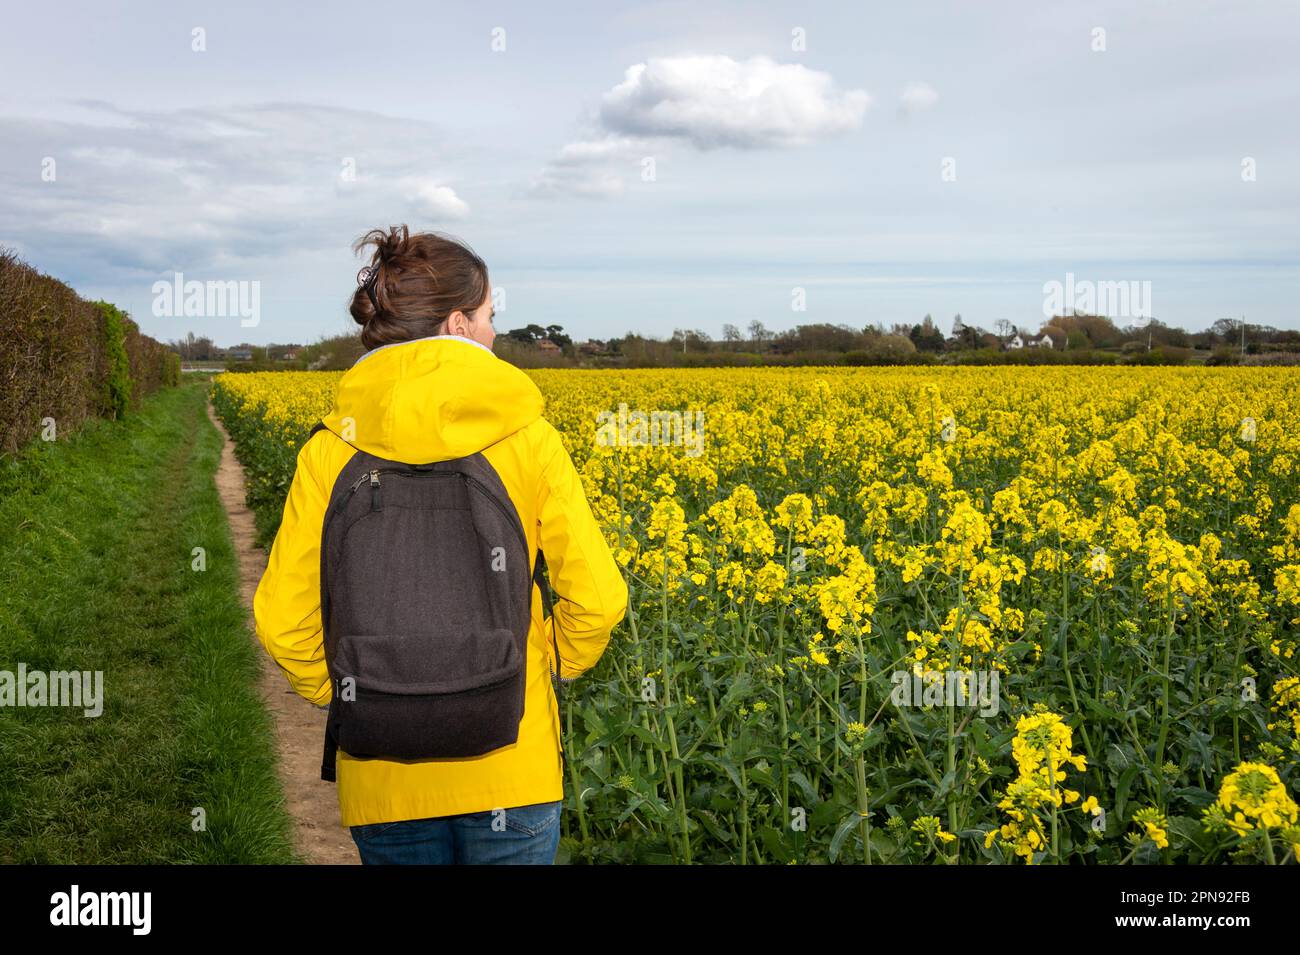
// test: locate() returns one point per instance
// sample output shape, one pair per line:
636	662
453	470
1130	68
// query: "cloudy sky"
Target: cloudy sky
650	166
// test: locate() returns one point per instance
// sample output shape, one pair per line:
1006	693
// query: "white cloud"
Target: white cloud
593	150
706	102
438	201
559	181
189	188
712	101
586	169
919	96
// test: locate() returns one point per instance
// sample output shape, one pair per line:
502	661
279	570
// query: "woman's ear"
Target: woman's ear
457	324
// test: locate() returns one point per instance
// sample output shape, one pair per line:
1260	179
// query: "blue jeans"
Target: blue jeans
522	835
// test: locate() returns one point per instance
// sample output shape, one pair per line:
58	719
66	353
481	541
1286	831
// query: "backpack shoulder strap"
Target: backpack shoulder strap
329	757
539	578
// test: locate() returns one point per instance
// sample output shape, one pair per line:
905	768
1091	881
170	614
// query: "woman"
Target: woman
430	389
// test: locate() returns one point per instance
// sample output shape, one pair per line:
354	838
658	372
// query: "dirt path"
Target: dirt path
299	726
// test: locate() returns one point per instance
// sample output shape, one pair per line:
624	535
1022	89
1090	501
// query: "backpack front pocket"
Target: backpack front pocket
399	708
449	660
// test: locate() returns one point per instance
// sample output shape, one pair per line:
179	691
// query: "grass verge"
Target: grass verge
97	573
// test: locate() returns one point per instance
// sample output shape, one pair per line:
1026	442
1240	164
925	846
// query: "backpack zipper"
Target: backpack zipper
373	477
374	490
511	519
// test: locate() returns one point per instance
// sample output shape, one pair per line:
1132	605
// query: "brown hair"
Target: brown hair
419	281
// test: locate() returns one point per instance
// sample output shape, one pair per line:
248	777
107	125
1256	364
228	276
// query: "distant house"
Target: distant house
548	346
289	355
240	354
1026	340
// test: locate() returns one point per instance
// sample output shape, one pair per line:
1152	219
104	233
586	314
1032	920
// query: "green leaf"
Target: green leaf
804	786
774	843
1194	796
643	734
762	777
1102	710
945	784
1120	758
849	823
726	765
1122	787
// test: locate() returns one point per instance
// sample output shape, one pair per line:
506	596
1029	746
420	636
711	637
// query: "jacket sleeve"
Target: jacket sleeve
591	595
286	607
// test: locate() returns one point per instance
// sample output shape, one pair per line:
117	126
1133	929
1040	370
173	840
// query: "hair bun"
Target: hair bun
413	283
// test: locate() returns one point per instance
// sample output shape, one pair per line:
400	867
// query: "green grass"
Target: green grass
96	537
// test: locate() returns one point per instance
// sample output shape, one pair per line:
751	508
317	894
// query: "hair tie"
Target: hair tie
368	283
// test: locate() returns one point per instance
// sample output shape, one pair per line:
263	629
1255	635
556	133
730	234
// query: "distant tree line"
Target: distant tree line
1063	339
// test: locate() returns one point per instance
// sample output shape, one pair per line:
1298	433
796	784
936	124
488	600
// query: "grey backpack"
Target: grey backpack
425	602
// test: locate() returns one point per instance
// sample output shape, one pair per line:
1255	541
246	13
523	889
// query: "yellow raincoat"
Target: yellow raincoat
433	399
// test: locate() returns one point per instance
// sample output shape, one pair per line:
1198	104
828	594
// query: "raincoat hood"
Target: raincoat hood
432	399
